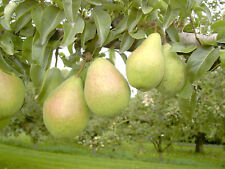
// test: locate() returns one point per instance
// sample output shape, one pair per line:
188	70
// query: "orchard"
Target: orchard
174	55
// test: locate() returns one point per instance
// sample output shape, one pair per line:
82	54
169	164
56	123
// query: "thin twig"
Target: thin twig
56	56
81	68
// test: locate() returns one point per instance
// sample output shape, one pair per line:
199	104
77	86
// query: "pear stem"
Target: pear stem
156	27
88	57
81	68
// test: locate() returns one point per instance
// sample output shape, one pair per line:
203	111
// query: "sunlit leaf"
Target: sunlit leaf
145	7
71	8
24	8
200	61
171	15
42	18
8	11
71	29
6	43
134	17
126	42
36	75
182	48
22	22
102	22
94	2
140	34
88	33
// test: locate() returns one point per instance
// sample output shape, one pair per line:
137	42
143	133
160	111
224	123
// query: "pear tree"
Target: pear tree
34	35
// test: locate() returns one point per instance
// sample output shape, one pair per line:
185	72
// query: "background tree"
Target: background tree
33	34
150	117
203	111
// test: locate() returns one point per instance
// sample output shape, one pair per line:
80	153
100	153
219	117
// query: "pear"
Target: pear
174	77
65	112
12	92
145	66
106	90
4	122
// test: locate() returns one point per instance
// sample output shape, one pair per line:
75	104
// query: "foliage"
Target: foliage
33	32
207	114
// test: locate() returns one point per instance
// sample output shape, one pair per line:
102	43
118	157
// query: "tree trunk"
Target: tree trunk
160	150
199	141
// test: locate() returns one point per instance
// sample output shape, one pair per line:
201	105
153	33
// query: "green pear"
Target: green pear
65	112
174	77
4	122
12	92
106	90
145	66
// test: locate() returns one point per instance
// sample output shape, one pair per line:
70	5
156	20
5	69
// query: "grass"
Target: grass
19	153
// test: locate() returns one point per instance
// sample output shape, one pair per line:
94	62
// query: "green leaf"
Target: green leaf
112	55
134	18
4	65
173	33
88	34
71	8
52	79
140	34
46	20
182	48
71	29
200	61
24	8
6	43
36	75
102	22
94	2
221	37
8	11
39	51
171	15
27	31
122	26
126	42
21	22
222	58
27	48
218	26
124	57
145	7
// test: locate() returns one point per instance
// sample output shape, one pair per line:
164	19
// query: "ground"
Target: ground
19	154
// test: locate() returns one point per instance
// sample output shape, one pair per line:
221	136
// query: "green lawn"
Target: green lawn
20	153
12	157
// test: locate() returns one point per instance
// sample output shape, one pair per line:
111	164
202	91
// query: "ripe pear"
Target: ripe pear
174	76
4	122
12	92
106	90
65	112
145	66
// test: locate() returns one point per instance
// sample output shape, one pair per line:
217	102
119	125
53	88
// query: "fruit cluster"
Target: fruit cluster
106	92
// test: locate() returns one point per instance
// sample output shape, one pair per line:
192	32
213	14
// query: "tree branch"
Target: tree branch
189	38
167	146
